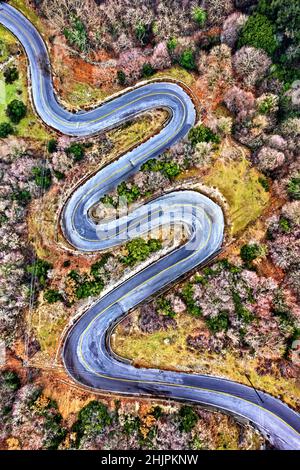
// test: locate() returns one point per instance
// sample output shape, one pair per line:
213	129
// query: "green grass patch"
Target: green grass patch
29	126
241	187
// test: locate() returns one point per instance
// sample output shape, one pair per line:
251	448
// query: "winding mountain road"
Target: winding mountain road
86	352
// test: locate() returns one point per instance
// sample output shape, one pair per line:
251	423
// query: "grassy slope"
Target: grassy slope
30	126
239	184
168	350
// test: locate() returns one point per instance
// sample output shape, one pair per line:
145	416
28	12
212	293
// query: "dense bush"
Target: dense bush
39	269
167	168
23	196
16	110
187	60
265	183
218	323
5	129
92	283
89	288
249	253
293	187
76	150
284	224
58	175
141	33
77	34
164	307
139	250
130	193
171	44
147	70
52	146
258	32
42	177
187	295
199	15
11	74
52	296
92	419
202	133
285	16
241	311
11	380
188	418
121	76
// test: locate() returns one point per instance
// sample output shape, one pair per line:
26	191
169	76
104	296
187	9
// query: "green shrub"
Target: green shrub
121	76
52	146
56	433
157	412
11	74
164	307
89	285
154	245
284	224
242	312
16	110
96	268
267	105
152	165
89	288
171	44
107	200
40	269
202	133
249	253
23	196
92	419
187	295
131	194
76	151
147	70
52	296
285	15
259	32
42	177
139	250
199	15
219	322
265	183
74	275
141	33
171	170
293	187
11	380
5	129
131	425
59	175
77	34
188	418
187	60
280	308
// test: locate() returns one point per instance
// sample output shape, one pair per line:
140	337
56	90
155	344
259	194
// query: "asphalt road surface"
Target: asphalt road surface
86	352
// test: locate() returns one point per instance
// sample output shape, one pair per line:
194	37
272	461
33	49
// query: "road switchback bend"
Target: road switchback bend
86	352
